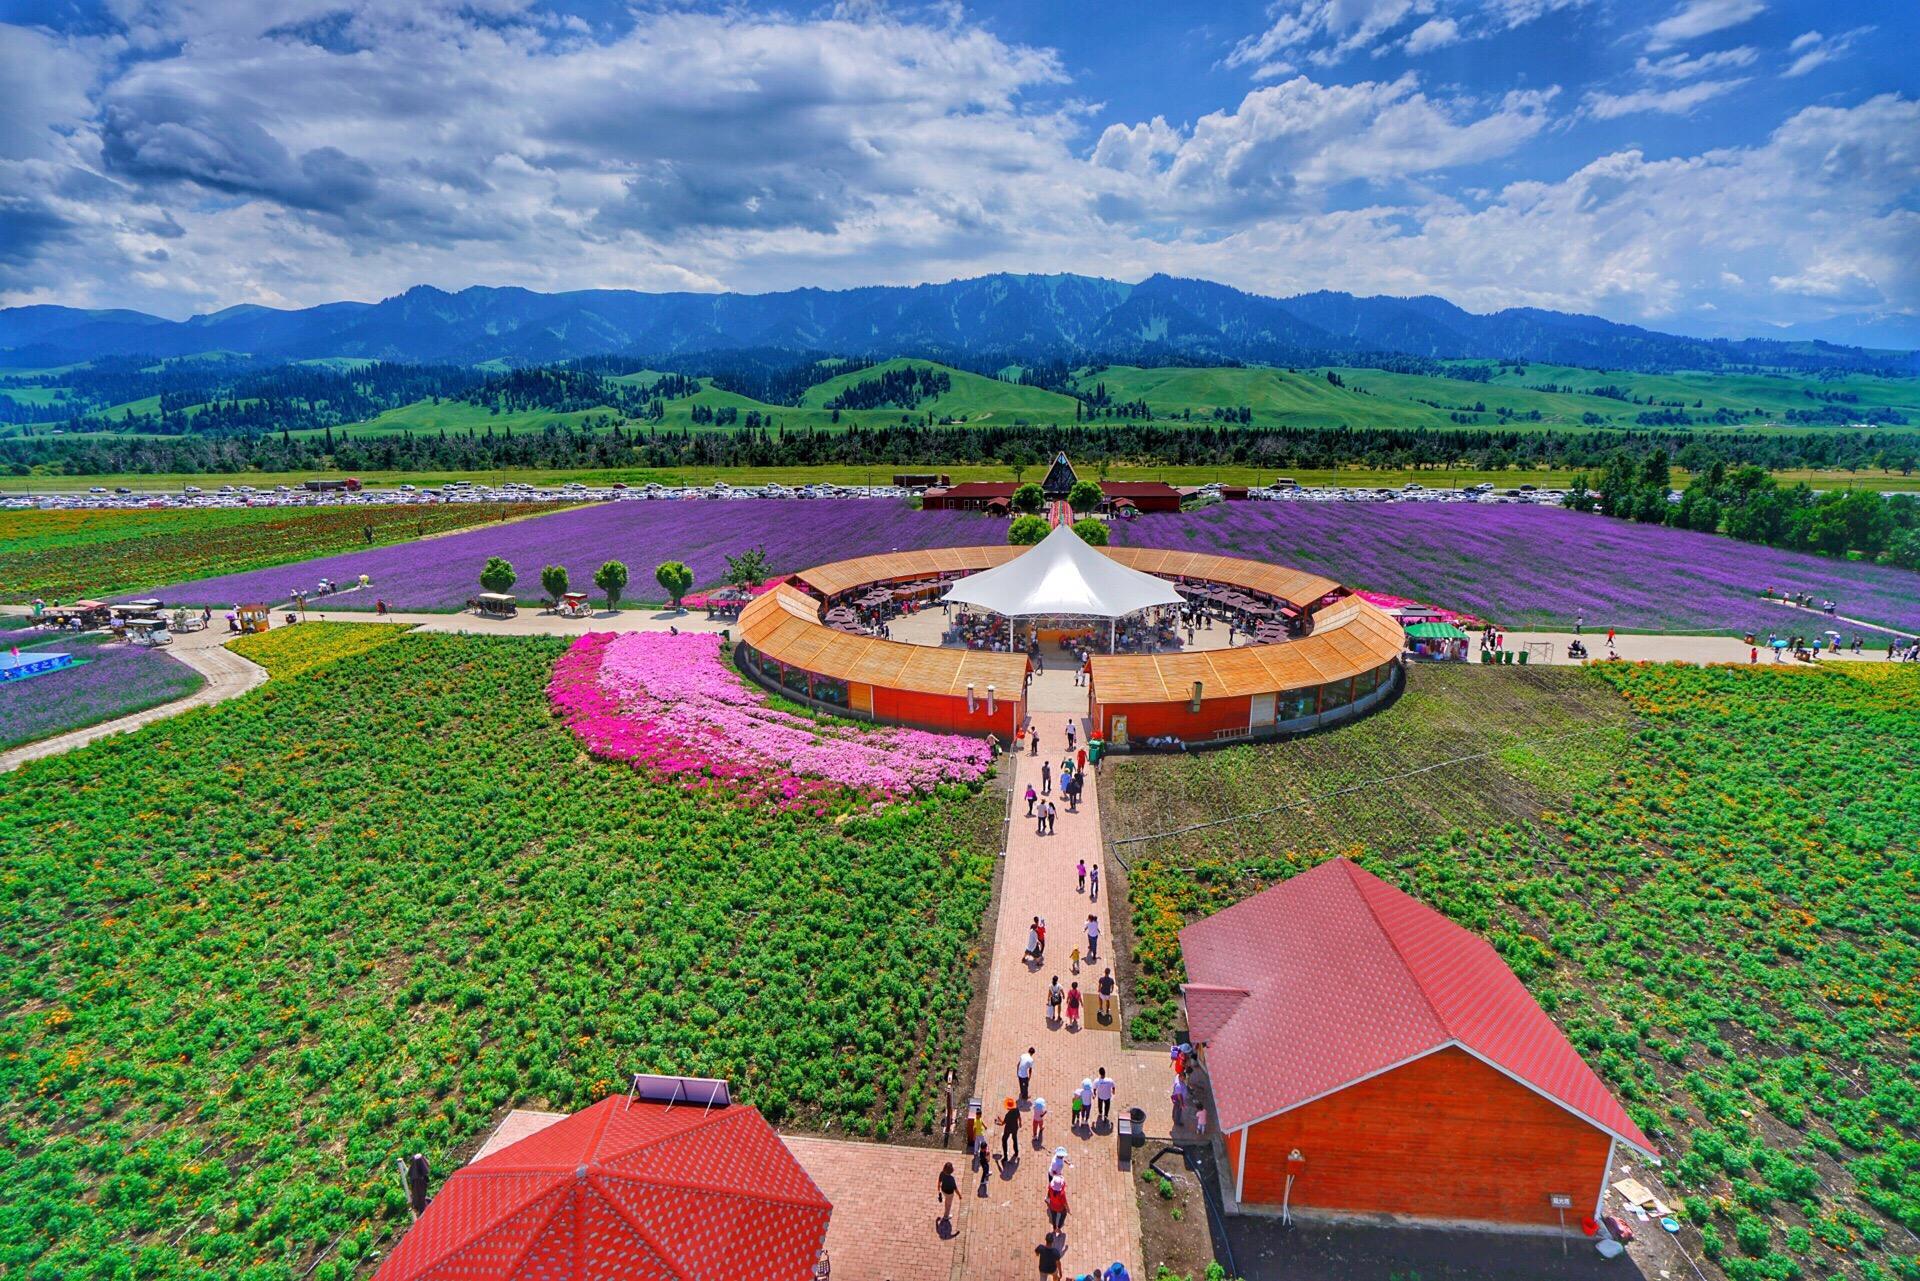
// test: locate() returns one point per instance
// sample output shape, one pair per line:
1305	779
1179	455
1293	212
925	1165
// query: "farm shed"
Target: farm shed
1370	1058
625	1188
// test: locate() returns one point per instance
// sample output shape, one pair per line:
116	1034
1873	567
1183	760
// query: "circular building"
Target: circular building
1314	654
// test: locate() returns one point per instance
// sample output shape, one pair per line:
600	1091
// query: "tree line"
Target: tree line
1745	502
920	445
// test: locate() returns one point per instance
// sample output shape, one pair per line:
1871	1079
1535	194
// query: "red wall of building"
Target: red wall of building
1444	1137
1148	720
947	714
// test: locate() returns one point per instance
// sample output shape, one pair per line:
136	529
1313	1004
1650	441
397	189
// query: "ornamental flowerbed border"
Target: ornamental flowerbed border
669	706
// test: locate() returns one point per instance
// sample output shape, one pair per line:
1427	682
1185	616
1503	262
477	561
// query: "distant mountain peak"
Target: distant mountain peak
1013	317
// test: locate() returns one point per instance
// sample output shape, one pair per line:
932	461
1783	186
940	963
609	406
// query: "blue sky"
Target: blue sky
1705	166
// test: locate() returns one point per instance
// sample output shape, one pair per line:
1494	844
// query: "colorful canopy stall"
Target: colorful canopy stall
1436	640
1368	1057
626	1189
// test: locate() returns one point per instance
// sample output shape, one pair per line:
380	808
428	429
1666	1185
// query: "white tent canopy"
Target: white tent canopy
1062	575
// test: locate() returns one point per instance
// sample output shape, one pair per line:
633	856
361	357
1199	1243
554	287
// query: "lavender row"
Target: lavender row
1524	566
440	573
116	679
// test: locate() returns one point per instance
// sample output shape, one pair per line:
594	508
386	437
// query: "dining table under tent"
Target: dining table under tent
1064	582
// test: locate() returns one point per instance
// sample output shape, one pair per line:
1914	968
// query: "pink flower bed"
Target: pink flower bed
699	599
671	707
1385	601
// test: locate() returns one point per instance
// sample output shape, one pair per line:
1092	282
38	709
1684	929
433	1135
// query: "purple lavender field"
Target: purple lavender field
114	680
1524	566
441	573
1518	566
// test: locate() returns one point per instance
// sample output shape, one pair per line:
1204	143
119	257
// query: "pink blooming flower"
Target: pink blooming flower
668	705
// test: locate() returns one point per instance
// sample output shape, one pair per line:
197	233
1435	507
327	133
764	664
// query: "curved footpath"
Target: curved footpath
228	675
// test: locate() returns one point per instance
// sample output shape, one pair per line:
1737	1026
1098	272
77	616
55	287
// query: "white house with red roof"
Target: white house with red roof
1369	1058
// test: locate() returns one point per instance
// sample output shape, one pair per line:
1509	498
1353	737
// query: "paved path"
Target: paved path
1007	1217
1637	647
228	676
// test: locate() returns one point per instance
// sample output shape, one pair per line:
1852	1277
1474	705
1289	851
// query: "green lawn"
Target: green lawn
974	397
1709	876
257	953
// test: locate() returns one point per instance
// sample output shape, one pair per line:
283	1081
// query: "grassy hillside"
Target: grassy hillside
973	397
1769	393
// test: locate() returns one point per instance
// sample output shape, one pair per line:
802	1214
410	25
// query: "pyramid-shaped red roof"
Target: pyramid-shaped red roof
1333	976
624	1192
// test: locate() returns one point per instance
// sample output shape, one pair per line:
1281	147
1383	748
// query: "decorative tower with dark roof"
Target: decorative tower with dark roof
1060	479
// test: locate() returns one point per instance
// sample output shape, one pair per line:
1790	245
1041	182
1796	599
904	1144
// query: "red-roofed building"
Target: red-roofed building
1390	1062
971	495
1145	495
624	1191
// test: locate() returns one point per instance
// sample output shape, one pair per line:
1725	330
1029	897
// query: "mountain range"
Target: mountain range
1006	318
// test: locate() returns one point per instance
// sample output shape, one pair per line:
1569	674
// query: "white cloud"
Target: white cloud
1680	66
1816	50
353	156
1328	29
1434	33
1285	145
1672	102
1696	18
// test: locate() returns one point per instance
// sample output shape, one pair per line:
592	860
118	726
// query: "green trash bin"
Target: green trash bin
1506	656
1523	658
1094	748
1486	656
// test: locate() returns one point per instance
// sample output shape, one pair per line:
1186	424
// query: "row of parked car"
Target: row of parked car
457	491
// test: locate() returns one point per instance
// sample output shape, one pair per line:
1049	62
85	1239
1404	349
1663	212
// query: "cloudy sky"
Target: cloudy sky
1706	166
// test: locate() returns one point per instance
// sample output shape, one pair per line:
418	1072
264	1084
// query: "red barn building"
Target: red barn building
1144	495
969	496
1369	1058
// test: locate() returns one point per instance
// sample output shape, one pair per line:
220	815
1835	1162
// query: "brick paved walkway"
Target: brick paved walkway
885	1216
1008	1218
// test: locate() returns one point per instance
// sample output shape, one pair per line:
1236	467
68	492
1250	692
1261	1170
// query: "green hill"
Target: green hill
974	397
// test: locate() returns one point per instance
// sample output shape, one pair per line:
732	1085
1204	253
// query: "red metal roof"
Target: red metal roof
622	1191
1333	976
1138	489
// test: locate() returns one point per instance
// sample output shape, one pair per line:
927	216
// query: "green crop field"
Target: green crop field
1709	876
257	953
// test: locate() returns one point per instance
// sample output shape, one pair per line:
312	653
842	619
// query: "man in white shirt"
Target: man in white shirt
1103	1096
1093	937
1025	1072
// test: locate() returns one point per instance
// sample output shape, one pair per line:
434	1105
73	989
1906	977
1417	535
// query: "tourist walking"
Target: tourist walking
1080	877
1085	1096
1093	937
977	1142
1053	814
419	1176
1024	1070
1033	941
1103	1096
1046	778
1040	820
1073	1005
1010	1129
1032	796
1093	881
1055	996
1105	993
1033	740
1049	1256
1080	762
1039	1114
1057	1203
1179	1097
945	1190
1040	929
1072	730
